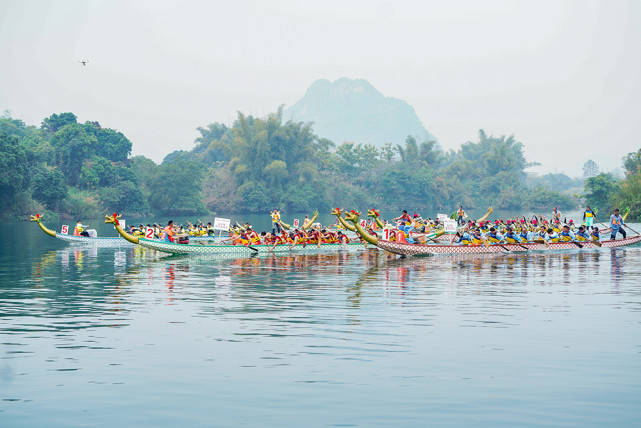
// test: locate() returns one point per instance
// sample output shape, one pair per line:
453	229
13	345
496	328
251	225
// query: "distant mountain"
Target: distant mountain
353	110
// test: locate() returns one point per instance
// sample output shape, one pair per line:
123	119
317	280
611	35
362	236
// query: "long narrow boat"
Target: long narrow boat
436	249
101	241
240	250
97	241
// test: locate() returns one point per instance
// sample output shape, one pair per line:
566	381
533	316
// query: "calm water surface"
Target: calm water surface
123	336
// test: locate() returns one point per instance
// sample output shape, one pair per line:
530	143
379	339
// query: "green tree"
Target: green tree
15	169
176	188
56	122
72	145
600	190
49	187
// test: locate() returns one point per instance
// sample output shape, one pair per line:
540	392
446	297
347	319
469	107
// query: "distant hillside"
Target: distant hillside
353	110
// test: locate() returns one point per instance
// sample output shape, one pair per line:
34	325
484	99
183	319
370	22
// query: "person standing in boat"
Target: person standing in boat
588	217
168	232
616	223
275	221
460	215
79	230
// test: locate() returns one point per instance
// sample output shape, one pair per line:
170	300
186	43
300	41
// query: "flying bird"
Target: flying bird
84	62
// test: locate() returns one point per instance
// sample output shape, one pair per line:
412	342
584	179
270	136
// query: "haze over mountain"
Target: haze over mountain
354	110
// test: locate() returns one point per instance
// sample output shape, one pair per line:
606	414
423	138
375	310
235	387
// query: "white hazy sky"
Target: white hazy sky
562	76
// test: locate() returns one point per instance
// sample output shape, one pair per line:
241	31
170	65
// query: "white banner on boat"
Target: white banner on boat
149	233
296	222
442	217
122	223
449	226
222	223
64	229
363	223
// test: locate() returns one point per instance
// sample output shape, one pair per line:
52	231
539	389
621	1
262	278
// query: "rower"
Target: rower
477	237
595	234
582	234
511	237
168	232
616	223
566	234
493	237
552	236
79	230
462	238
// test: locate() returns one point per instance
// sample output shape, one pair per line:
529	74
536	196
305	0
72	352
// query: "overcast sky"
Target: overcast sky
562	76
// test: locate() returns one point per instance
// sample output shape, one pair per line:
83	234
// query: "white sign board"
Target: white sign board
363	223
121	223
442	217
296	222
221	223
149	233
386	233
64	229
449	226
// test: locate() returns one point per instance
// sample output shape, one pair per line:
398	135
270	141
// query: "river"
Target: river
128	337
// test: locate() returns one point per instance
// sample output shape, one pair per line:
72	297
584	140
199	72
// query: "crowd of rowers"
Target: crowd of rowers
404	228
242	234
538	230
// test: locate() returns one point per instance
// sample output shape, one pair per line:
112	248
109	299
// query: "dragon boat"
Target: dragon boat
99	241
202	248
405	249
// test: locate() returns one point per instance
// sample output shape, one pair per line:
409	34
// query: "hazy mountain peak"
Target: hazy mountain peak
354	110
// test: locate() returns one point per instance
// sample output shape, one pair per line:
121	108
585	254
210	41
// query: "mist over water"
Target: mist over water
104	336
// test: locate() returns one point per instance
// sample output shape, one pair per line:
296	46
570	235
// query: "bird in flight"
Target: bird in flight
84	62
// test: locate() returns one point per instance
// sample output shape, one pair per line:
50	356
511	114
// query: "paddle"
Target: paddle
252	248
631	229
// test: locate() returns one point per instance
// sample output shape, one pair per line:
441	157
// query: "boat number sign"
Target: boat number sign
149	233
296	222
449	226
65	229
386	234
221	223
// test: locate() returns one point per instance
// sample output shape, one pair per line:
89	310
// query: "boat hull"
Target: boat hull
428	250
100	241
241	250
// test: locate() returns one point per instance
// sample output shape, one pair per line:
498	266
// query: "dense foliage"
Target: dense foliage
257	164
83	170
260	163
605	192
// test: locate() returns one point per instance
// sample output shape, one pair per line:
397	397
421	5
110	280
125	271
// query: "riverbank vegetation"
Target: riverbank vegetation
256	164
605	192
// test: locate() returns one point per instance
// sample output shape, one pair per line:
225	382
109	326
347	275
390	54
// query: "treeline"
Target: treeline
85	170
259	163
605	192
254	165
